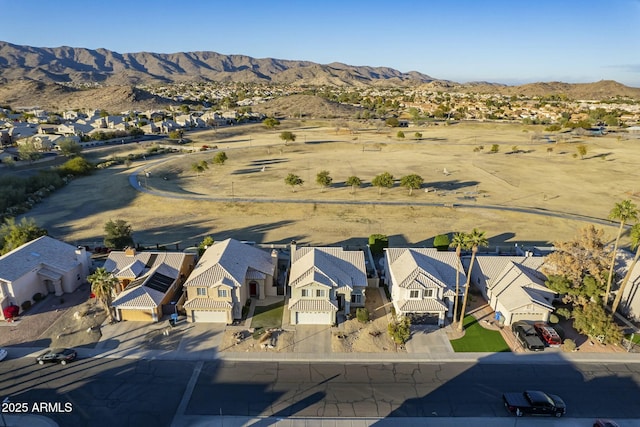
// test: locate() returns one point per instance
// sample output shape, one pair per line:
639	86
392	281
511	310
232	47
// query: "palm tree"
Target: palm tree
473	240
458	241
624	211
103	284
635	244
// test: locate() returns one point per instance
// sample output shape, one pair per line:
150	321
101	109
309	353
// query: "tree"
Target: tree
176	134
494	148
623	211
13	235
288	137
206	243
418	135
199	167
103	285
459	241
392	122
270	122
592	320
441	242
118	234
354	182
473	240
77	166
582	151
293	180
384	180
635	244
573	261
411	182
28	150
400	134
323	179
220	158
69	147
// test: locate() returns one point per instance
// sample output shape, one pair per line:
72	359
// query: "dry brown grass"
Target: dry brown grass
532	178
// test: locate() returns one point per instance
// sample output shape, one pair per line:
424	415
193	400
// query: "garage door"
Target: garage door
322	318
136	315
206	316
531	317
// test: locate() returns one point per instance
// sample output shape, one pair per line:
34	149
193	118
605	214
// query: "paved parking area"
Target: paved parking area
312	339
428	340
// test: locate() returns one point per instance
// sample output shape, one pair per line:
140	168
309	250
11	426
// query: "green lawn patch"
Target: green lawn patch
268	316
636	338
478	339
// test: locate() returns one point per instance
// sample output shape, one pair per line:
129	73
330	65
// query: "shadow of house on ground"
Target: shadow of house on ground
475	389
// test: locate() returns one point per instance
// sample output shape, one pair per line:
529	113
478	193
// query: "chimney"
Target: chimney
292	248
129	251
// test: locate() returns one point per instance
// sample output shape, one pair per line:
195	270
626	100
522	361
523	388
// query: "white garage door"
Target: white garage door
205	316
532	317
322	318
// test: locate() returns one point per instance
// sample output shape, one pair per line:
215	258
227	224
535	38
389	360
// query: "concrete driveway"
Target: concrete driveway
312	339
428	339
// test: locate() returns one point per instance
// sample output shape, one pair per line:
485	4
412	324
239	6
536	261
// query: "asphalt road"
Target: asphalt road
108	392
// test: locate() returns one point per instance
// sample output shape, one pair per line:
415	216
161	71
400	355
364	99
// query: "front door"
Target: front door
253	289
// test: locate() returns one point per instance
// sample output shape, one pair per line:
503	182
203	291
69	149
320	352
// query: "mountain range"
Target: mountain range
51	77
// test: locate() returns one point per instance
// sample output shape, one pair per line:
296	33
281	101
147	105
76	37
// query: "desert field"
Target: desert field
247	199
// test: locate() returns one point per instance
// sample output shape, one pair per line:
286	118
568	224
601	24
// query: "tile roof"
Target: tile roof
121	264
333	267
230	261
416	268
38	253
312	305
488	267
518	286
207	303
427	305
147	291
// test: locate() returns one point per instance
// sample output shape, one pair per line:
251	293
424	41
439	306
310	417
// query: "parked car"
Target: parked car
57	355
548	334
534	402
3	354
527	336
600	422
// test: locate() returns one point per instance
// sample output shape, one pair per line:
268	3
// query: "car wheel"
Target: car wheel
63	362
41	362
558	414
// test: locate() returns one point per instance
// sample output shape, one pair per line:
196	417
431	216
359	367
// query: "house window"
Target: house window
428	293
305	293
356	298
414	294
222	293
202	292
319	293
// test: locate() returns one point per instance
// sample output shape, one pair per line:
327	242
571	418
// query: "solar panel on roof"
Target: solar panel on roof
159	282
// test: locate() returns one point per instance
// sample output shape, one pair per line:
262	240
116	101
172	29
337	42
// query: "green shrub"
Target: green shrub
76	166
377	243
553	319
563	312
400	330
26	305
441	242
37	297
569	345
362	314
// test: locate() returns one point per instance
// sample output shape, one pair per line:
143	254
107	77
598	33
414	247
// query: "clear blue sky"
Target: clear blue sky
505	41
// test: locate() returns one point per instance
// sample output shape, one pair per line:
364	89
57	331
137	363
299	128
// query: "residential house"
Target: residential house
422	283
44	265
323	281
226	276
149	282
514	287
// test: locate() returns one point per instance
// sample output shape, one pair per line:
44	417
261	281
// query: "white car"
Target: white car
3	353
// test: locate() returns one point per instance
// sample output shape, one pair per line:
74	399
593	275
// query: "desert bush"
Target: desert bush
362	314
38	296
400	330
76	166
563	312
553	319
569	345
26	305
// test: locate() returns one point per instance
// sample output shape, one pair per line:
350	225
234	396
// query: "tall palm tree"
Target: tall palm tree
458	241
473	240
103	284
624	211
635	244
